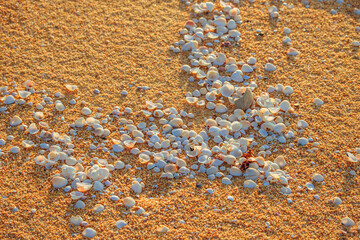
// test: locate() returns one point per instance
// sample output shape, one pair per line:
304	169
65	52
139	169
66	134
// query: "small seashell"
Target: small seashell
220	22
348	222
39	116
249	184
144	158
71	88
40	160
318	102
285	105
80	122
136	187
310	186
162	229
212	75
89	233
237	76
83	187
220	108
24	94
59	182
337	201
280	161
75	195
15	150
121	223
288	90
86	111
28	144
33	128
59	106
352	158
292	52
129	202
227	90
29	84
269	67
190	24
251	61
245	101
170	168
76	220
246	68
15	121
98	208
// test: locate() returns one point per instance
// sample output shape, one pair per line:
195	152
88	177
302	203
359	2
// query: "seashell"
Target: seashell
170	168
227	90
129	144
176	122
348	222
200	103
210	6
71	88
33	128
39	116
318	177
40	160
83	187
129	202
245	101
237	76
231	24
24	94
285	105
28	144
236	126
249	184
310	186
235	171
15	121
280	161
192	100
136	187
117	148
220	21
29	84
190	24
80	122
158	113
288	90
76	220
269	67
86	111
246	68
279	128
162	229
251	61
252	174
292	52
212	75
59	106
210	123
210	105
75	195
144	158
220	60
98	186
352	158
220	108
59	182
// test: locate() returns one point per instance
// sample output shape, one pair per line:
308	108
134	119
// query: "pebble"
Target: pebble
89	233
124	93
121	223
270	67
98	208
318	102
226	181
15	121
80	204
9	100
114	198
337	201
15	150
76	220
162	229
303	141
210	191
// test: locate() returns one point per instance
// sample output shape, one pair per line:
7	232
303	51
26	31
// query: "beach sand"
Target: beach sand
110	45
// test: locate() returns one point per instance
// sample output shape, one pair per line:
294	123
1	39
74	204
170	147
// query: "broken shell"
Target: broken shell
227	90
24	94
59	182
83	187
75	195
29	84
352	158
71	88
280	161
33	128
39	116
16	120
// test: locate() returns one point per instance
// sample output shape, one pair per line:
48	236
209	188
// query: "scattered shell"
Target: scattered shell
251	61
227	90
59	182
24	94
76	195
318	177
71	88
39	116
220	108
59	106
162	229
76	220
292	52
246	68
15	150
249	184
285	105
270	67
86	111
129	202
15	121
280	161
318	101
29	84
33	128
348	222
89	233
237	76
121	223
352	158
337	201
98	208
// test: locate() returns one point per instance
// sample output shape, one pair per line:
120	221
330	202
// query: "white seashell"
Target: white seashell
356	43
28	144
98	208
210	105
210	6
231	24
246	68
287	40
310	186
76	220
24	94
288	90
40	160
71	88
162	229
251	61
121	223
89	233
53	156
252	174
80	122
75	195
15	121
280	161
220	60
270	67
279	128
33	128
337	201
318	102
234	33
237	76
220	21
352	158
176	122
39	116
129	202
292	52
348	222
226	181
285	105
220	108
192	100
212	75
235	171
249	184
59	106
144	158
86	111
59	182
227	90
117	148
83	186
136	187
158	113
29	84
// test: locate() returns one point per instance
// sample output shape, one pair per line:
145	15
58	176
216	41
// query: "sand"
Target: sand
110	45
